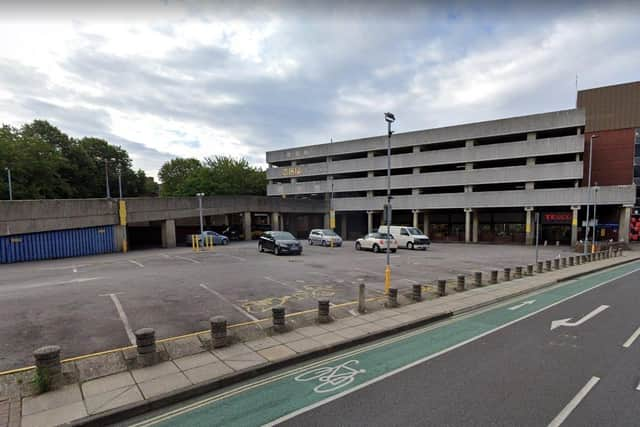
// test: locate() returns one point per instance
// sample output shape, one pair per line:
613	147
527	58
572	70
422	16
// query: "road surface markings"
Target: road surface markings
225	299
239	258
411	281
353	312
188	259
522	304
331	378
559	419
631	339
20	287
638	388
133	261
286	285
123	316
66	267
565	322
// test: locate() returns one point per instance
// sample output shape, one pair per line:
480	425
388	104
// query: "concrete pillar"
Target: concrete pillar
293	180
574	226
425	222
119	235
415	191
476	225
528	227
468	188
227	220
531	136
275	221
246	225
168	231
343	227
529	186
623	225
415	217
467	224
369	221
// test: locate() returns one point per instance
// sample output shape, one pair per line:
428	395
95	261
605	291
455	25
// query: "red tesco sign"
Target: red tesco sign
557	218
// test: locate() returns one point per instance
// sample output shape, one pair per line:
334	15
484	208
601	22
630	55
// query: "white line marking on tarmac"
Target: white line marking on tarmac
631	339
286	285
123	316
188	259
559	419
225	299
353	313
133	261
21	287
411	281
638	388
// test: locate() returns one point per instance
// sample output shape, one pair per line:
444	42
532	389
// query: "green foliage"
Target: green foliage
47	163
220	175
42	380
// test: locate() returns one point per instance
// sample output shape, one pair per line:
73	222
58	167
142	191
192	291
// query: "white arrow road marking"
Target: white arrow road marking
566	411
631	339
522	304
139	264
565	322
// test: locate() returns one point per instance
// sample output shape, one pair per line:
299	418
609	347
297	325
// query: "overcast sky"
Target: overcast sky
166	79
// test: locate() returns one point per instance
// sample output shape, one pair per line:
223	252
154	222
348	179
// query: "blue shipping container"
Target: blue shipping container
57	244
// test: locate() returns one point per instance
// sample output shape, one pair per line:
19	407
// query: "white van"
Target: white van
407	237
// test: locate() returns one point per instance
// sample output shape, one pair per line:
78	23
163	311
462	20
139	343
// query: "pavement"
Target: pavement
93	304
103	384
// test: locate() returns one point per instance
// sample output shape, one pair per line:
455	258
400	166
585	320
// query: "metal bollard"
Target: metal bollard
571	260
539	267
494	277
146	346
506	276
278	318
563	262
442	287
547	265
530	270
460	285
362	302
477	278
48	364
323	311
518	272
392	298
417	292
556	263
218	331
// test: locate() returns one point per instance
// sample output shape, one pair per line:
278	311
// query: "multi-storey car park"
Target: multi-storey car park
473	182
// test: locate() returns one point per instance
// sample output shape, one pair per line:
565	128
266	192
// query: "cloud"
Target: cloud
198	79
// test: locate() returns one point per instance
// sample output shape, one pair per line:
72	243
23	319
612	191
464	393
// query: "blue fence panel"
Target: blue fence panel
57	244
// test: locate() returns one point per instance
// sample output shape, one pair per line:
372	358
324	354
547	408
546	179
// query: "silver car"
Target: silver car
324	237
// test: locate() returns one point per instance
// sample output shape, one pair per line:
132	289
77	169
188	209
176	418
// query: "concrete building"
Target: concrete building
473	182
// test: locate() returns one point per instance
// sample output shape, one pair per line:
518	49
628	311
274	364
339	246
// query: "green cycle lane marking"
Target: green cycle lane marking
285	395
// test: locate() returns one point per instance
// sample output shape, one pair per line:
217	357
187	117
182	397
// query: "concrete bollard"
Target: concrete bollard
442	287
539	267
506	275
49	366
362	302
518	272
530	270
494	277
146	346
556	263
477	278
392	298
563	262
547	265
416	293
460	286
571	261
218	331
278	319
323	311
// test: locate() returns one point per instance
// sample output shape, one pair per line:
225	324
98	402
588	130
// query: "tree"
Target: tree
174	174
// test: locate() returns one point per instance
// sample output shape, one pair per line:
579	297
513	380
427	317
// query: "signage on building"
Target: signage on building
291	171
557	218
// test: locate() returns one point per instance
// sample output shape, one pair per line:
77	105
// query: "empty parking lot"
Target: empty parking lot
94	303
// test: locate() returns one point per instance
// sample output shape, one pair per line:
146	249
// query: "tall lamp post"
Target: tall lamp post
586	232
9	181
389	118
106	179
200	196
595	219
120	181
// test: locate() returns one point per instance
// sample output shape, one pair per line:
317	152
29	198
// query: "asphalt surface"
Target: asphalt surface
522	375
74	302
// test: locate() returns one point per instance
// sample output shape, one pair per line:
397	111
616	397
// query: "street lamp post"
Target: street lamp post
200	196
595	219
106	179
586	233
120	181
9	181
389	118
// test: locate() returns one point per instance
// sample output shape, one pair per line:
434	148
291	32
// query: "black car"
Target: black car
279	242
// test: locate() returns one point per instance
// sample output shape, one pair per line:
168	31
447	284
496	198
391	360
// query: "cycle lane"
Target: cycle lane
283	395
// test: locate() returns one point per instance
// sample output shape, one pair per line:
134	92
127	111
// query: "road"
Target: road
92	304
503	366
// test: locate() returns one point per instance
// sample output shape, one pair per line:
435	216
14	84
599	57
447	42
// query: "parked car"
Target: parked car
407	237
233	232
324	237
279	242
218	239
377	242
